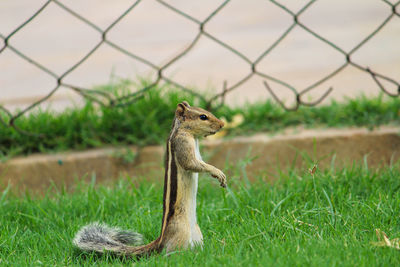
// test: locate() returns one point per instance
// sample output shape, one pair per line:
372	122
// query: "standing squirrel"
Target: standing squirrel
183	162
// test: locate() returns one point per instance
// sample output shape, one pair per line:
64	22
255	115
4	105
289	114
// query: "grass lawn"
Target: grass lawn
328	220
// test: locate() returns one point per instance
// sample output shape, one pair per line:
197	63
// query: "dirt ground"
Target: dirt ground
303	149
58	40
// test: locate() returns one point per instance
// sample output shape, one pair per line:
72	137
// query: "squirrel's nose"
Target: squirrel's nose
221	124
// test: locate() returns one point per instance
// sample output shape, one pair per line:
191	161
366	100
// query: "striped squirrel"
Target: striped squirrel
183	162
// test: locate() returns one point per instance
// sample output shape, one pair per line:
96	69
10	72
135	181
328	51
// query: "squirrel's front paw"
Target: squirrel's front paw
220	176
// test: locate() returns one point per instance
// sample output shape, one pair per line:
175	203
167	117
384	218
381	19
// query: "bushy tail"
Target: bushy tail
100	237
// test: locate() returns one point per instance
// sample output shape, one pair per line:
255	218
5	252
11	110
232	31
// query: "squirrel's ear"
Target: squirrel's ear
186	104
180	109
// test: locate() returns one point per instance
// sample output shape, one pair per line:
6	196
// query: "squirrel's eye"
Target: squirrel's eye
203	117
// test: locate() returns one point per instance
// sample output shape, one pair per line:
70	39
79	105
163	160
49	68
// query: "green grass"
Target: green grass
328	220
148	121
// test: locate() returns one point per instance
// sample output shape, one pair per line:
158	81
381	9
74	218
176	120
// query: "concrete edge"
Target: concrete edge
270	153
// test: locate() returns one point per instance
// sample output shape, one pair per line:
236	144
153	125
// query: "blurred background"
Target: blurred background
62	48
89	88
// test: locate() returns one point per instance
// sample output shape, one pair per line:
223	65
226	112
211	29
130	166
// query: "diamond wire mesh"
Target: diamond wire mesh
105	98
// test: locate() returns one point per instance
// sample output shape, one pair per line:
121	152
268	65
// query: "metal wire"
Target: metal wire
105	98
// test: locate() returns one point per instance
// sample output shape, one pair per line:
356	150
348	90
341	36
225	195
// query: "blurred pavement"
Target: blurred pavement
58	40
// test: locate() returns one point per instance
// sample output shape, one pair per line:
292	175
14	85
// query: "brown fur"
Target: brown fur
179	228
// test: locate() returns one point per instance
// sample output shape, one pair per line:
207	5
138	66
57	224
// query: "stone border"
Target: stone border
270	154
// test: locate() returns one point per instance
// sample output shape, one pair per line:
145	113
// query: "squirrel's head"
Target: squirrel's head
197	121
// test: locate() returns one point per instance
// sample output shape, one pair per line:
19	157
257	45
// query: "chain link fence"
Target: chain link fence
105	98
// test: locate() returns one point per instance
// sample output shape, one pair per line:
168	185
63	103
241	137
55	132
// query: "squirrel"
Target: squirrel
183	162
